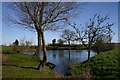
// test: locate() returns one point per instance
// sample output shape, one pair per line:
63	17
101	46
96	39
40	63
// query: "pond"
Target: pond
63	59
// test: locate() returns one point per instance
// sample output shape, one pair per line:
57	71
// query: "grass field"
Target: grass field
104	65
24	66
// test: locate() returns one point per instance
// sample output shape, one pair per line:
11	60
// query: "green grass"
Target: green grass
104	65
7	49
14	49
24	66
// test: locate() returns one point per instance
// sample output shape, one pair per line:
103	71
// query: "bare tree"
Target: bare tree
96	28
68	36
60	41
42	16
28	43
22	42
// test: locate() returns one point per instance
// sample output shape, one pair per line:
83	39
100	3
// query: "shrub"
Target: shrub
102	47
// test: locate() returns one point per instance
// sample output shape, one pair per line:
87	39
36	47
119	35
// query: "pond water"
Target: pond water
63	59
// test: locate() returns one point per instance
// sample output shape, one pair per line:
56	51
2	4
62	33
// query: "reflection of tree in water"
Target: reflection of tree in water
58	53
74	56
54	55
61	54
65	62
69	63
64	59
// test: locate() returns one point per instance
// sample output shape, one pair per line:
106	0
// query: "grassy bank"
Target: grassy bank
16	49
104	65
24	66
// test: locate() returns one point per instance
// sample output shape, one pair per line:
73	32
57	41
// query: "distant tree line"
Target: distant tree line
23	45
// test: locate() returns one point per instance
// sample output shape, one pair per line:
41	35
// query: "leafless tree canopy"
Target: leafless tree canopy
97	27
28	14
68	36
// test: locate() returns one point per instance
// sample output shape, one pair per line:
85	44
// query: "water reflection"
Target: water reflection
64	58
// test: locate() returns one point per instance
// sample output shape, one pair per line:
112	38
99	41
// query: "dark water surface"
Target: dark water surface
63	59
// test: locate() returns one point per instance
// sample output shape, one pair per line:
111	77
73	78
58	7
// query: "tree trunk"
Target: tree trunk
88	64
43	62
69	44
89	48
69	51
38	50
44	48
88	55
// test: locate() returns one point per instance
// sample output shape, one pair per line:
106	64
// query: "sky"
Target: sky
11	32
